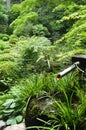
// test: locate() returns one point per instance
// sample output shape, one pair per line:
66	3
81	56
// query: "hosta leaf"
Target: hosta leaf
8	102
8	111
19	119
11	121
12	105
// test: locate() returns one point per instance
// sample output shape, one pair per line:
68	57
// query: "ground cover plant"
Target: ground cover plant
67	96
65	109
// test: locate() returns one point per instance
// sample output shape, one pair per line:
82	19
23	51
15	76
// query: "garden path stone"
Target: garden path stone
20	126
2	124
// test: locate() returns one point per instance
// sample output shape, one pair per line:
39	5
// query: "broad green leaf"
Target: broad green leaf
19	118
11	121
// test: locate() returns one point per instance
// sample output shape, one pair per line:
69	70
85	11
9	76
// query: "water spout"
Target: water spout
66	71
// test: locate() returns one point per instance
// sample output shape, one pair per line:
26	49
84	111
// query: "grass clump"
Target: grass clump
68	102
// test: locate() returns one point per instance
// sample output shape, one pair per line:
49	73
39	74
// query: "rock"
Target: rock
36	105
2	125
20	126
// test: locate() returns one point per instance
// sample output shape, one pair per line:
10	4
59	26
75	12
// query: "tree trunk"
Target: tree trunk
8	4
20	1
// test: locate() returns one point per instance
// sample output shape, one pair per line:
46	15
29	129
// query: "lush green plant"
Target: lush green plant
6	56
14	101
40	30
23	25
75	35
35	54
4	37
13	39
14	12
68	106
9	71
3	45
10	105
3	18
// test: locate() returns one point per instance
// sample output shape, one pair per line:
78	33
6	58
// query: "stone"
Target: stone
36	105
2	124
20	126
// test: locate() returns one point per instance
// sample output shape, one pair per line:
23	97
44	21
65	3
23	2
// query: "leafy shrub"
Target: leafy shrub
3	17
83	2
23	25
35	56
14	12
13	39
68	107
6	56
76	36
40	30
3	45
68	100
9	71
3	28
4	37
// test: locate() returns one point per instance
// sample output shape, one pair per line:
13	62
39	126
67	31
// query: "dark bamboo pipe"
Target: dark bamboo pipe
66	71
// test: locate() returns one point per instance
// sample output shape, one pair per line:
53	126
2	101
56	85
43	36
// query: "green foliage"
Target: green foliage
13	39
3	18
4	37
30	5
76	37
3	15
28	87
6	56
68	106
23	25
40	30
83	2
14	12
36	54
29	51
10	109
31	18
10	106
68	100
9	71
35	18
3	45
